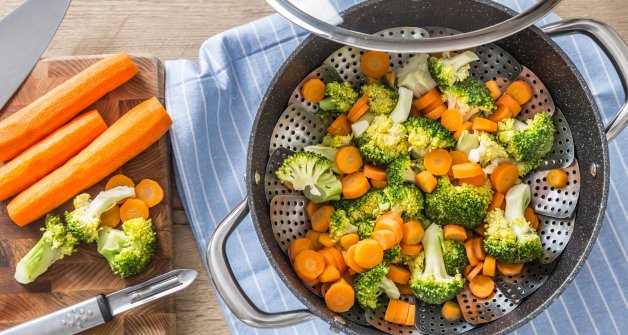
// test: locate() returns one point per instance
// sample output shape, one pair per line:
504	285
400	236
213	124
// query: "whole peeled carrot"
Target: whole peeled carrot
126	138
50	153
49	112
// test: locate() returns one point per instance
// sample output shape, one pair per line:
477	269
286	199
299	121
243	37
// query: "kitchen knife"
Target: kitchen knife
24	35
102	308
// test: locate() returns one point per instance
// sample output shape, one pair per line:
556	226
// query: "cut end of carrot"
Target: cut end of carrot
150	192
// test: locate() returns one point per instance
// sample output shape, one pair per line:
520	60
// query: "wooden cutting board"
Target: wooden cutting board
86	273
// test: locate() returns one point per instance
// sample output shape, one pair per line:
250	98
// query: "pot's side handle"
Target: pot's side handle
227	285
615	48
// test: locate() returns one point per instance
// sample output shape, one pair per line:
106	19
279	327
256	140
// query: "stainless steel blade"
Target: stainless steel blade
150	290
24	35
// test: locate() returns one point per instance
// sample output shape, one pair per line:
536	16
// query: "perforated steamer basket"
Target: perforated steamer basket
569	221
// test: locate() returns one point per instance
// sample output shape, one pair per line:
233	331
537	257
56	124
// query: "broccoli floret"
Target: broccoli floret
415	75
368	206
464	205
365	228
56	243
469	97
339	97
393	255
383	141
425	135
467	142
373	283
407	200
403	107
402	170
430	282
487	150
449	70
129	250
530	141
509	237
327	152
455	257
382	99
340	225
310	173
83	222
337	141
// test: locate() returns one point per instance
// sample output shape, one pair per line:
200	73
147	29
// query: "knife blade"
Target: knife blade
102	308
24	36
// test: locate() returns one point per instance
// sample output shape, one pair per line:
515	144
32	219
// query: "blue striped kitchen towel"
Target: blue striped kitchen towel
213	105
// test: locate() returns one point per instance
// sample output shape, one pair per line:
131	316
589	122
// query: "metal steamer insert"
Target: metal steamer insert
298	127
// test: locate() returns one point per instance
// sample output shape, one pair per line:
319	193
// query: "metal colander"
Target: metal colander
298	127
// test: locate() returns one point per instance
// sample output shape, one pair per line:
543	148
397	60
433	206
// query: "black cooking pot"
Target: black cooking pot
532	47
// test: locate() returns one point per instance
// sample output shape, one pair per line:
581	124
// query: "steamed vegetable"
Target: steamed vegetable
450	70
311	173
415	75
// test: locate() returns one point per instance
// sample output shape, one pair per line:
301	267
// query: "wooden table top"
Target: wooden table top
175	29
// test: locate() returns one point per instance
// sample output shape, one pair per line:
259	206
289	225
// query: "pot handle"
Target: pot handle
228	287
615	48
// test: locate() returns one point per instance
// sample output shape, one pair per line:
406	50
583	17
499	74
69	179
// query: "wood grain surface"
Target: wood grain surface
86	273
175	29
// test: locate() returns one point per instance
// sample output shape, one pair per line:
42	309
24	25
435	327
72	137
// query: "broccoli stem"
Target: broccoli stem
461	60
327	104
517	199
104	201
36	261
434	262
110	242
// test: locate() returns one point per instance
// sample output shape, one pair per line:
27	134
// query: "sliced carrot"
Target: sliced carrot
133	208
351	263
311	283
476	270
348	159
502	112
482	286
48	154
465	126
320	218
483	124
313	90
451	120
326	240
426	181
391	310
454	232
432	106
398	274
451	311
391	78
411	249
557	178
480	230
497	202
375	64
340	296
426	99
378	184
504	177
468	246
329	274
311	207
390	215
348	240
509	102
150	192
358	109
298	245
52	110
531	217
457	157
467	170
393	225
119	180
374	172
520	91
111	218
385	238
401	314
508	269
368	253
467	270
478	180
135	131
494	88
340	126
333	257
412	232
354	185
308	265
437	162
436	113
404	289
314	236
478	248
489	266
411	316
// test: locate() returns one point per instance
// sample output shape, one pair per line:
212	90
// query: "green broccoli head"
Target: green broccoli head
488	150
407	200
56	243
129	250
339	98
340	225
393	255
365	228
310	173
509	237
383	141
368	206
403	169
371	284
83	221
464	205
469	97
455	257
529	141
382	99
415	75
425	135
450	70
337	141
430	281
